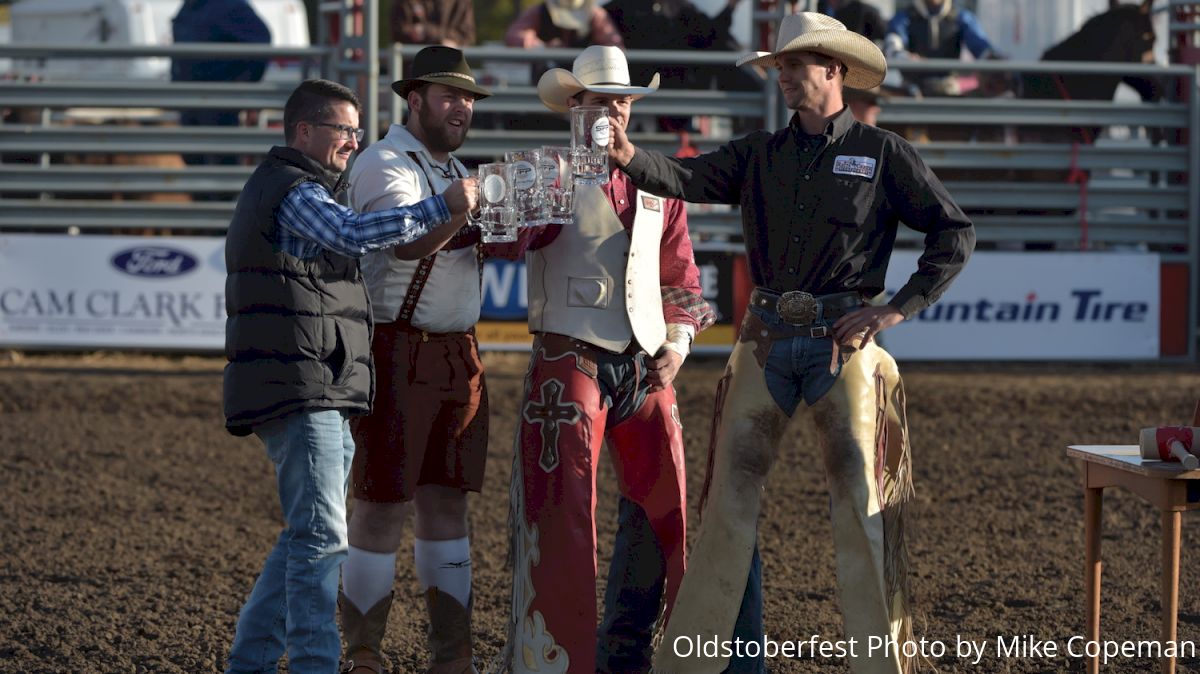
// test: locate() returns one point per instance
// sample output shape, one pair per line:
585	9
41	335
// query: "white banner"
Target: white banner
112	291
168	293
1035	306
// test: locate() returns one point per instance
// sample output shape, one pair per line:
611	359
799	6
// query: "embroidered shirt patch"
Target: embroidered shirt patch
651	203
863	167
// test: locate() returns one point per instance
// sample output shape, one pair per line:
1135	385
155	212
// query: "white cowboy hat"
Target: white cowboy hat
575	15
597	68
815	32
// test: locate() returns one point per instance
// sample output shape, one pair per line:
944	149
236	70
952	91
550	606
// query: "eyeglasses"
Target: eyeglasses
347	131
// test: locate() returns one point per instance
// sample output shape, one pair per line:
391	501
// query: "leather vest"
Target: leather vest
597	282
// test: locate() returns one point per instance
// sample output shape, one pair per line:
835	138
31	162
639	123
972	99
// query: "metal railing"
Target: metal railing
1135	195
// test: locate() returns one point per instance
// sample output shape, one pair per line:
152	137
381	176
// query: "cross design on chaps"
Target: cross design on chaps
550	413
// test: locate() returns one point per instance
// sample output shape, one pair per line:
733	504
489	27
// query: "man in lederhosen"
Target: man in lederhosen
426	441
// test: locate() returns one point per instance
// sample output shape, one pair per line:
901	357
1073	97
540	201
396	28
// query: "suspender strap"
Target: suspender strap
415	286
464	238
424	267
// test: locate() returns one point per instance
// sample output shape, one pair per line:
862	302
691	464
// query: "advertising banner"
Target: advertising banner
112	292
1035	306
59	291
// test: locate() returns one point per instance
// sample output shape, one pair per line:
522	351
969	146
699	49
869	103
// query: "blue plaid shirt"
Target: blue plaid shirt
310	220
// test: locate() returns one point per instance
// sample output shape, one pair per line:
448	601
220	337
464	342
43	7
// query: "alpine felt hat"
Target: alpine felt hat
815	32
601	69
440	65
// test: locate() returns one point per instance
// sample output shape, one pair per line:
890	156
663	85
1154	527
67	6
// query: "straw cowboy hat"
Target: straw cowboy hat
811	31
602	70
440	65
574	15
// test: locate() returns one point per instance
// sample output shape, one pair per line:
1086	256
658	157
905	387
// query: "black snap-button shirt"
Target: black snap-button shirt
820	213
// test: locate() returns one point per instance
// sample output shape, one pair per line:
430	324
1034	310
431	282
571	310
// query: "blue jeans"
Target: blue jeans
634	592
633	595
293	606
797	368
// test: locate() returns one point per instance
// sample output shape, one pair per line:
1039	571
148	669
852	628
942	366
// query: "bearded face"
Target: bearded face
445	115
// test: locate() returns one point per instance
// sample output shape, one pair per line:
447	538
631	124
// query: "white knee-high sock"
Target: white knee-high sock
445	565
367	577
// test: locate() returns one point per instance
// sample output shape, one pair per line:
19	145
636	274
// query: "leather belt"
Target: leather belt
805	310
401	325
565	342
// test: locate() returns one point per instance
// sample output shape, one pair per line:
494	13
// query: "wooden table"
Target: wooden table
1168	487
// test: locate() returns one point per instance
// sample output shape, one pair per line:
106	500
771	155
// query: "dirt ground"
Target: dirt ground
132	526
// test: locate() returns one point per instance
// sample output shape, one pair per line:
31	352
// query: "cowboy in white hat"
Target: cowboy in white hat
821	202
614	301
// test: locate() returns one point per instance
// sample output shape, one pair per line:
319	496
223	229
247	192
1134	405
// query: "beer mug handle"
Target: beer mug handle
476	219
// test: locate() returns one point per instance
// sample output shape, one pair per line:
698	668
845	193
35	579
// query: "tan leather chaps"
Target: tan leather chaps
864	446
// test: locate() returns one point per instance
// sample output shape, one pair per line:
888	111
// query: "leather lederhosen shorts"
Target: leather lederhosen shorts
429	424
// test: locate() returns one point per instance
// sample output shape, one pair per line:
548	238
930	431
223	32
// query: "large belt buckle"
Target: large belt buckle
797	307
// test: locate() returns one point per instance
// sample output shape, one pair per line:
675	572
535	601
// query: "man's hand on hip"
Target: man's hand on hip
662	369
620	150
867	322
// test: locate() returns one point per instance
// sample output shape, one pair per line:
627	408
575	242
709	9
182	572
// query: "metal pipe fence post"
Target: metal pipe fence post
771	100
372	85
1193	212
397	66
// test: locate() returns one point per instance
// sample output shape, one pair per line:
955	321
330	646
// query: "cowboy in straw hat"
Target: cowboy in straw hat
821	202
813	32
428	463
600	70
614	301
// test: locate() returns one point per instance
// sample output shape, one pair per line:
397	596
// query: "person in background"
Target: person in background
216	21
865	104
298	341
861	17
445	22
425	445
936	29
679	24
563	23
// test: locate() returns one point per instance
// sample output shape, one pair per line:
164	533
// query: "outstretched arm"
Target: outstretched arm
712	178
308	211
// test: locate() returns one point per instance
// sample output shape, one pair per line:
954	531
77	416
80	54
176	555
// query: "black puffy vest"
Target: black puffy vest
297	332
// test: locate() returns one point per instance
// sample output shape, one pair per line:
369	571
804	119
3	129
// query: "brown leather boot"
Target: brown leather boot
364	635
449	634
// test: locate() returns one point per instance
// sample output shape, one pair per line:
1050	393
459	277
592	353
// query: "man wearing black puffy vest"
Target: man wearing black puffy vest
298	342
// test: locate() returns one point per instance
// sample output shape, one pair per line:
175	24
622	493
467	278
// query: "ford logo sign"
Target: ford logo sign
153	261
